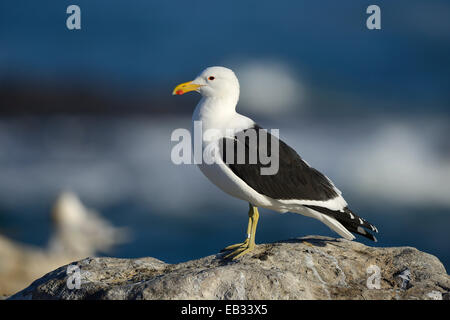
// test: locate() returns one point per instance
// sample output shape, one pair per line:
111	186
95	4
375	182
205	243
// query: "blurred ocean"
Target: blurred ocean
142	46
90	111
388	170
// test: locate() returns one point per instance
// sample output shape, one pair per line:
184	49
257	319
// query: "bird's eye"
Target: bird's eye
211	78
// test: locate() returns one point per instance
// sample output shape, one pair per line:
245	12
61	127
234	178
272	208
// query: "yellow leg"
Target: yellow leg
249	244
249	230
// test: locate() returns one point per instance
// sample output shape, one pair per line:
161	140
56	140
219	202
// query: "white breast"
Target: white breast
219	116
222	176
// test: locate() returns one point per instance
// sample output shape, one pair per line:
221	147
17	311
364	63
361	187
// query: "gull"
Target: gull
294	187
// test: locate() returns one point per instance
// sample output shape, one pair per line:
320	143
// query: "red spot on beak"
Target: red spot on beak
179	92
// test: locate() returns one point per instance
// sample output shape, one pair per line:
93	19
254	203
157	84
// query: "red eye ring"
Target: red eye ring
211	78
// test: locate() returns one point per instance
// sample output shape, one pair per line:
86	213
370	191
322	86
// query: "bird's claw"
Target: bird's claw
242	249
237	245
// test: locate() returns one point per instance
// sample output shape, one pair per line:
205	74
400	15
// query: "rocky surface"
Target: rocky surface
305	268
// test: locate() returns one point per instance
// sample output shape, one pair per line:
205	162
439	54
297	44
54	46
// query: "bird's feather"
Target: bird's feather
295	179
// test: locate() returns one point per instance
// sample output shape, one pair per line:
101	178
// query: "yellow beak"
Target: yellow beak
185	87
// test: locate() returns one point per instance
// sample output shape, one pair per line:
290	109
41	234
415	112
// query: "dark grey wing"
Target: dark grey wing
295	179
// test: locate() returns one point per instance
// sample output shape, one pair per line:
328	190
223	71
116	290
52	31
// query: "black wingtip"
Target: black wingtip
361	231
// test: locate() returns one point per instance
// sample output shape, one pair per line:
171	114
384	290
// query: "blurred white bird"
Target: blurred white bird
80	231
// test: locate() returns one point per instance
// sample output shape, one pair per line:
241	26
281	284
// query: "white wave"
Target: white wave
269	87
403	166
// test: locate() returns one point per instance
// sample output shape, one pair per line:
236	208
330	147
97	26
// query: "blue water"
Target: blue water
137	45
194	235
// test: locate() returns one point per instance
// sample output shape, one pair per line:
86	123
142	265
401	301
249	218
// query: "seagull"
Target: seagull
294	187
81	231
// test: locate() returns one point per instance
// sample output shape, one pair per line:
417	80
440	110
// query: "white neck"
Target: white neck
220	114
215	112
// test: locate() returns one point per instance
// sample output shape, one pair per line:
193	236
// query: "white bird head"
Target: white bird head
214	82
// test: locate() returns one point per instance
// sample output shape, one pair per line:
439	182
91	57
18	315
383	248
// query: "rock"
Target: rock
305	268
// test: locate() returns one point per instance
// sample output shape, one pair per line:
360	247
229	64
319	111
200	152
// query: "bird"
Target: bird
81	231
294	187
